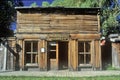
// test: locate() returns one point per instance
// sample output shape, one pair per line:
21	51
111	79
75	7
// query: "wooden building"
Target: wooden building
57	38
115	50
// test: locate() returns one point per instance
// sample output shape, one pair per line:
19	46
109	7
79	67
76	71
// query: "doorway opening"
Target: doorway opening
57	55
63	55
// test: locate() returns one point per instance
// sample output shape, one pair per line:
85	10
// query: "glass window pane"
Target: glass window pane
27	46
80	46
35	58
52	55
81	59
88	59
35	46
28	58
87	46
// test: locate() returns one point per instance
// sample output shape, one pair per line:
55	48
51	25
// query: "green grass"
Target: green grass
60	78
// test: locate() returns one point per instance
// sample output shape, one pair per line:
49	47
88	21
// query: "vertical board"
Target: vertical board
93	58
39	54
73	50
98	55
43	56
98	16
23	57
20	42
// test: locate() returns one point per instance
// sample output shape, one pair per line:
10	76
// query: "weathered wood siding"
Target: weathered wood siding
58	25
39	22
116	55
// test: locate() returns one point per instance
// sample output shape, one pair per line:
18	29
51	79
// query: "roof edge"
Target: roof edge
27	7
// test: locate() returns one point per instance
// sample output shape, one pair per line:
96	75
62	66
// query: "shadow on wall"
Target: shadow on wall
106	52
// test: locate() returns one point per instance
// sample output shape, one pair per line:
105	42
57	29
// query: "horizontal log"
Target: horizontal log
53	27
85	36
58	17
23	21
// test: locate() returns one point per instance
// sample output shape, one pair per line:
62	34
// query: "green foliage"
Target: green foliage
108	18
67	3
34	4
45	4
89	4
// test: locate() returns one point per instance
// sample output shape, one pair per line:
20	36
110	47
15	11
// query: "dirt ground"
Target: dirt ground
59	73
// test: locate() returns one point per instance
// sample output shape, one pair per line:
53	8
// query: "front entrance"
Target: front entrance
57	55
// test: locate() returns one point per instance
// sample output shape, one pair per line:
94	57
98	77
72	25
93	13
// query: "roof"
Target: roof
114	37
59	9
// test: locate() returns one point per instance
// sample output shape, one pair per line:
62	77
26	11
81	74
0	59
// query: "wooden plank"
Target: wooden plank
24	21
93	58
23	56
43	56
98	54
47	19
32	25
98	16
20	42
76	21
73	54
76	55
85	36
48	22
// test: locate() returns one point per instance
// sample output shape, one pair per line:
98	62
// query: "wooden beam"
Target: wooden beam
98	16
85	36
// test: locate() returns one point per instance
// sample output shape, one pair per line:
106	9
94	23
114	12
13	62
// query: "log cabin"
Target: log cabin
58	38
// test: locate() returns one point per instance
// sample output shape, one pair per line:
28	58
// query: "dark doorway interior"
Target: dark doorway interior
63	55
106	51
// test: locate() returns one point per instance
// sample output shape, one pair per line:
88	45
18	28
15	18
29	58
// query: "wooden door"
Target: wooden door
53	55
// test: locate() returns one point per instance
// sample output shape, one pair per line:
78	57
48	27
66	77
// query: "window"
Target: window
52	50
31	51
84	52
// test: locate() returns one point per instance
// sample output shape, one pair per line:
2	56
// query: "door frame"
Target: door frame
52	55
57	54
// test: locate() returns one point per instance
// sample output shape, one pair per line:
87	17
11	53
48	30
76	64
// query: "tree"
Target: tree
109	24
45	4
34	4
7	15
66	3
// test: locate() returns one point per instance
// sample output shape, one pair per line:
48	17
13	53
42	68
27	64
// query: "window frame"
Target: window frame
84	53
31	52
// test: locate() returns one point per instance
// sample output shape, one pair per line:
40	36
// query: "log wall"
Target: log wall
36	23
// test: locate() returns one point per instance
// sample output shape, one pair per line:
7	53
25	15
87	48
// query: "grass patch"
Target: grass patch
112	68
60	78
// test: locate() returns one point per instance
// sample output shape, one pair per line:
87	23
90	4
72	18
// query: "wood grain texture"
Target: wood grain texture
56	23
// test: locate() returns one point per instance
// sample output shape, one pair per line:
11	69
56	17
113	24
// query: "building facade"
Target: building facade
58	38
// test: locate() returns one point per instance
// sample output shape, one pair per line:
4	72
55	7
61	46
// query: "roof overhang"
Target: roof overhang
59	9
